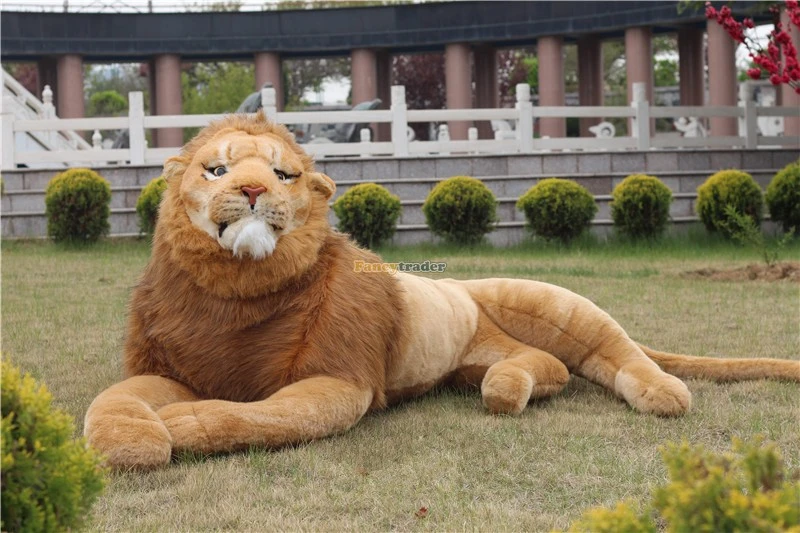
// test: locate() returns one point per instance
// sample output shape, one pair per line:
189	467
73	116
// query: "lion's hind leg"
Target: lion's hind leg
510	373
585	338
620	364
528	373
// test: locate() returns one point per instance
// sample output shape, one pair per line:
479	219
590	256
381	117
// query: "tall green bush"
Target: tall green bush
640	206
77	205
369	213
746	490
147	204
783	197
558	209
728	187
461	209
49	480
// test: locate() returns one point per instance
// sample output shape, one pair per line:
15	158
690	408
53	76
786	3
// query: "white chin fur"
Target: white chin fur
251	237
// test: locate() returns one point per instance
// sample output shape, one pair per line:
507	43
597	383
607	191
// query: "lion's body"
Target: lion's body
251	326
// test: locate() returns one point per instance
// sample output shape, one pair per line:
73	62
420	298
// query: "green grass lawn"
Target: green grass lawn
63	316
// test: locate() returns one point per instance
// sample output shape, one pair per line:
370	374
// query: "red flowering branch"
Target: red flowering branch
779	58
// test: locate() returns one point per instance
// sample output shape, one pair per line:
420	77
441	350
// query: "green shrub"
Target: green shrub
783	197
746	490
147	204
106	104
461	209
557	209
369	213
728	187
624	518
747	233
640	206
77	206
49	480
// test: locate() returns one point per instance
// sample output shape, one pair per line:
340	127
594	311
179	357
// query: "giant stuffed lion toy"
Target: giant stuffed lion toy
251	326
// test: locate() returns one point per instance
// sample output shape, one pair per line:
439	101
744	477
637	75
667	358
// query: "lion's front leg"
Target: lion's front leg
307	410
123	425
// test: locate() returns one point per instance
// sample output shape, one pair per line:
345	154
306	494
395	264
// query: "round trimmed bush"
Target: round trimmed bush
147	204
461	210
640	206
728	187
558	209
77	205
783	197
369	213
49	480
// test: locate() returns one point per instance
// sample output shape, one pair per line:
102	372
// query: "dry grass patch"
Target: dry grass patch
63	320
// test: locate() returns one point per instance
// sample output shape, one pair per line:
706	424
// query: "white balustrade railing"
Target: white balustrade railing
20	103
522	140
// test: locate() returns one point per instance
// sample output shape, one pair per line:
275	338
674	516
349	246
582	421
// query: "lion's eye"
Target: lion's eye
218	171
285	176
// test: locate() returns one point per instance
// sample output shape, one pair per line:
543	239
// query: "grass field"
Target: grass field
63	315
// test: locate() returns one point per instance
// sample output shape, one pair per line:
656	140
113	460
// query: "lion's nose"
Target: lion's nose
252	193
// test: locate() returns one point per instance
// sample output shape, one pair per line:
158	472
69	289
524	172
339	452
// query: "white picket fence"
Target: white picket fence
522	140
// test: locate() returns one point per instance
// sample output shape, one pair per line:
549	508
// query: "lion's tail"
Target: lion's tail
690	366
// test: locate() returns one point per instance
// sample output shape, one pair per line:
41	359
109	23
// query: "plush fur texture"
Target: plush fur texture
251	326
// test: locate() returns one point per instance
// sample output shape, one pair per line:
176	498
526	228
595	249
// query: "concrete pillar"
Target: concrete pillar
486	89
384	82
168	98
363	75
47	74
639	64
639	59
722	82
550	51
789	98
590	78
364	80
691	69
268	70
458	82
69	75
151	87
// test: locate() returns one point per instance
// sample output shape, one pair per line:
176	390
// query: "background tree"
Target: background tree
423	77
209	88
106	104
779	59
665	72
513	67
120	78
27	74
304	74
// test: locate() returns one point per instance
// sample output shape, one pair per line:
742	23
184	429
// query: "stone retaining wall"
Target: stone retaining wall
22	212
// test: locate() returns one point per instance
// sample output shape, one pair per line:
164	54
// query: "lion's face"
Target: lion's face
248	191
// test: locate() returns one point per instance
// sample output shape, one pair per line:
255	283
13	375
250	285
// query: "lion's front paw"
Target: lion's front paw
188	433
128	442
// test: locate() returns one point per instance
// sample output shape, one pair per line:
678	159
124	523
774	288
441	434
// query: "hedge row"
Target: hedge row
462	209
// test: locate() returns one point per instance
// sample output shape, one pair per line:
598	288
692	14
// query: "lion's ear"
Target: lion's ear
322	183
174	167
